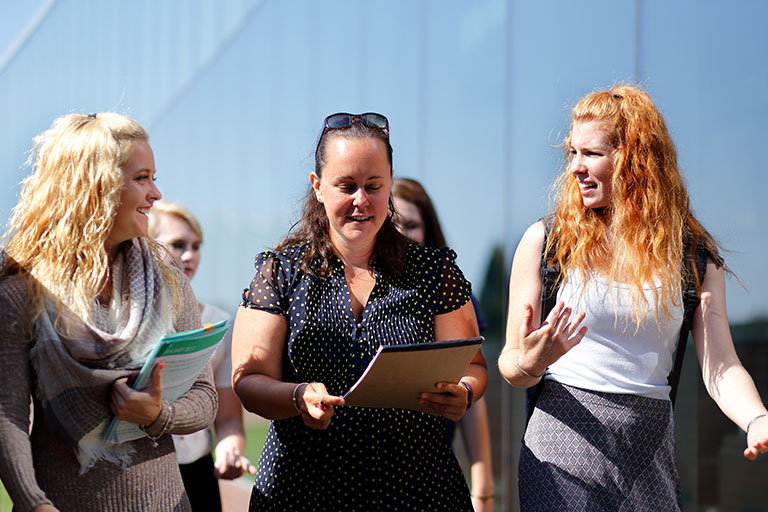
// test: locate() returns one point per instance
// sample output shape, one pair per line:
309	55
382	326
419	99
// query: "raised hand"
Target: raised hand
542	346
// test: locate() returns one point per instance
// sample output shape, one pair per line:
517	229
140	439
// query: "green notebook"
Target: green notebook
185	355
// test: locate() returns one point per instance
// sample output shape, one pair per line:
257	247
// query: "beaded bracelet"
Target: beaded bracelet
295	400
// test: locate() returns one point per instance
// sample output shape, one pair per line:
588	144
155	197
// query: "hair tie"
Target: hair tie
92	116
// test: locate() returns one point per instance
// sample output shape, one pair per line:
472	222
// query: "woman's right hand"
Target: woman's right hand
316	405
138	406
543	346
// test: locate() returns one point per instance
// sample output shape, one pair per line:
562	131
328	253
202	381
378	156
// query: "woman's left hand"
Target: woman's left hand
451	403
757	438
140	407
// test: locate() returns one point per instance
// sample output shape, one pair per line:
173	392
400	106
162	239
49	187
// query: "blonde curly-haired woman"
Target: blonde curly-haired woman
84	296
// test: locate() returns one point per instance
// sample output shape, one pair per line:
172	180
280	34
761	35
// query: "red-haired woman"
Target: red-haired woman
620	233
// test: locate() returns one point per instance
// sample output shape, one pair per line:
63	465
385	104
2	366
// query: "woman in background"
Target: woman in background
177	229
320	305
416	218
601	434
85	295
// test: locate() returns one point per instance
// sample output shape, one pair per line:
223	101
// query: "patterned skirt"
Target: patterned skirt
588	451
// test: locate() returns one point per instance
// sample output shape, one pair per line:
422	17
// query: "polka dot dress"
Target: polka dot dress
368	459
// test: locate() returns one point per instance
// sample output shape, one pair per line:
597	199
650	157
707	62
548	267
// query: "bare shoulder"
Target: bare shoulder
532	241
536	230
525	276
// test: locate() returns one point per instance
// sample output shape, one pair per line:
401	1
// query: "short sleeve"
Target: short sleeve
268	289
455	290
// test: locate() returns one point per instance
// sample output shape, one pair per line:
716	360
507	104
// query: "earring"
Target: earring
320	199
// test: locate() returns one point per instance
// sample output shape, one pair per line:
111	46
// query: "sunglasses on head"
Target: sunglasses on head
342	120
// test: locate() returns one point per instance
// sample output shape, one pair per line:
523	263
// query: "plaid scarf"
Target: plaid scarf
75	374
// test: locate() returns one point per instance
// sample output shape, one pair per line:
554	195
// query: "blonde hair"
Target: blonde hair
175	209
639	237
66	211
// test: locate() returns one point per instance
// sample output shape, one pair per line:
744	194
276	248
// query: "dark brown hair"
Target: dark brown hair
313	227
412	191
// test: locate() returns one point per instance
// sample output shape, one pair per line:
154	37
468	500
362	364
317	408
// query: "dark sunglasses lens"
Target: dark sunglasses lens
338	121
375	121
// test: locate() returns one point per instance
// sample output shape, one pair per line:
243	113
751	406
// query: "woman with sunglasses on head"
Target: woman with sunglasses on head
177	229
627	246
85	295
416	218
334	290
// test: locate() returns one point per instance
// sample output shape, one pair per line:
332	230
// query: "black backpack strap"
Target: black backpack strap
549	287
549	275
691	301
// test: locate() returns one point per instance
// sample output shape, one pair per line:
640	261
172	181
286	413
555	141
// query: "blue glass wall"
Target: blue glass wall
233	93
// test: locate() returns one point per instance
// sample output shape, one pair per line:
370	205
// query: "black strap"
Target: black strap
691	301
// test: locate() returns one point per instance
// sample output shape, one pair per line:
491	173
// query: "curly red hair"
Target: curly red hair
639	237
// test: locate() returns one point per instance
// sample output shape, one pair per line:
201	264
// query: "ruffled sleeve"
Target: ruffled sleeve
269	289
455	290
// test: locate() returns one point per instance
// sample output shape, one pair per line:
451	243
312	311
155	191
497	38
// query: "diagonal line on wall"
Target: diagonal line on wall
26	35
164	110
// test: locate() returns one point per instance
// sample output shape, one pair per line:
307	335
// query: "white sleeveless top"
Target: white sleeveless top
614	357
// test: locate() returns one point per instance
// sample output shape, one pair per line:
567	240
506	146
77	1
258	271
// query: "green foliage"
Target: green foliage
750	333
5	500
493	299
255	435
